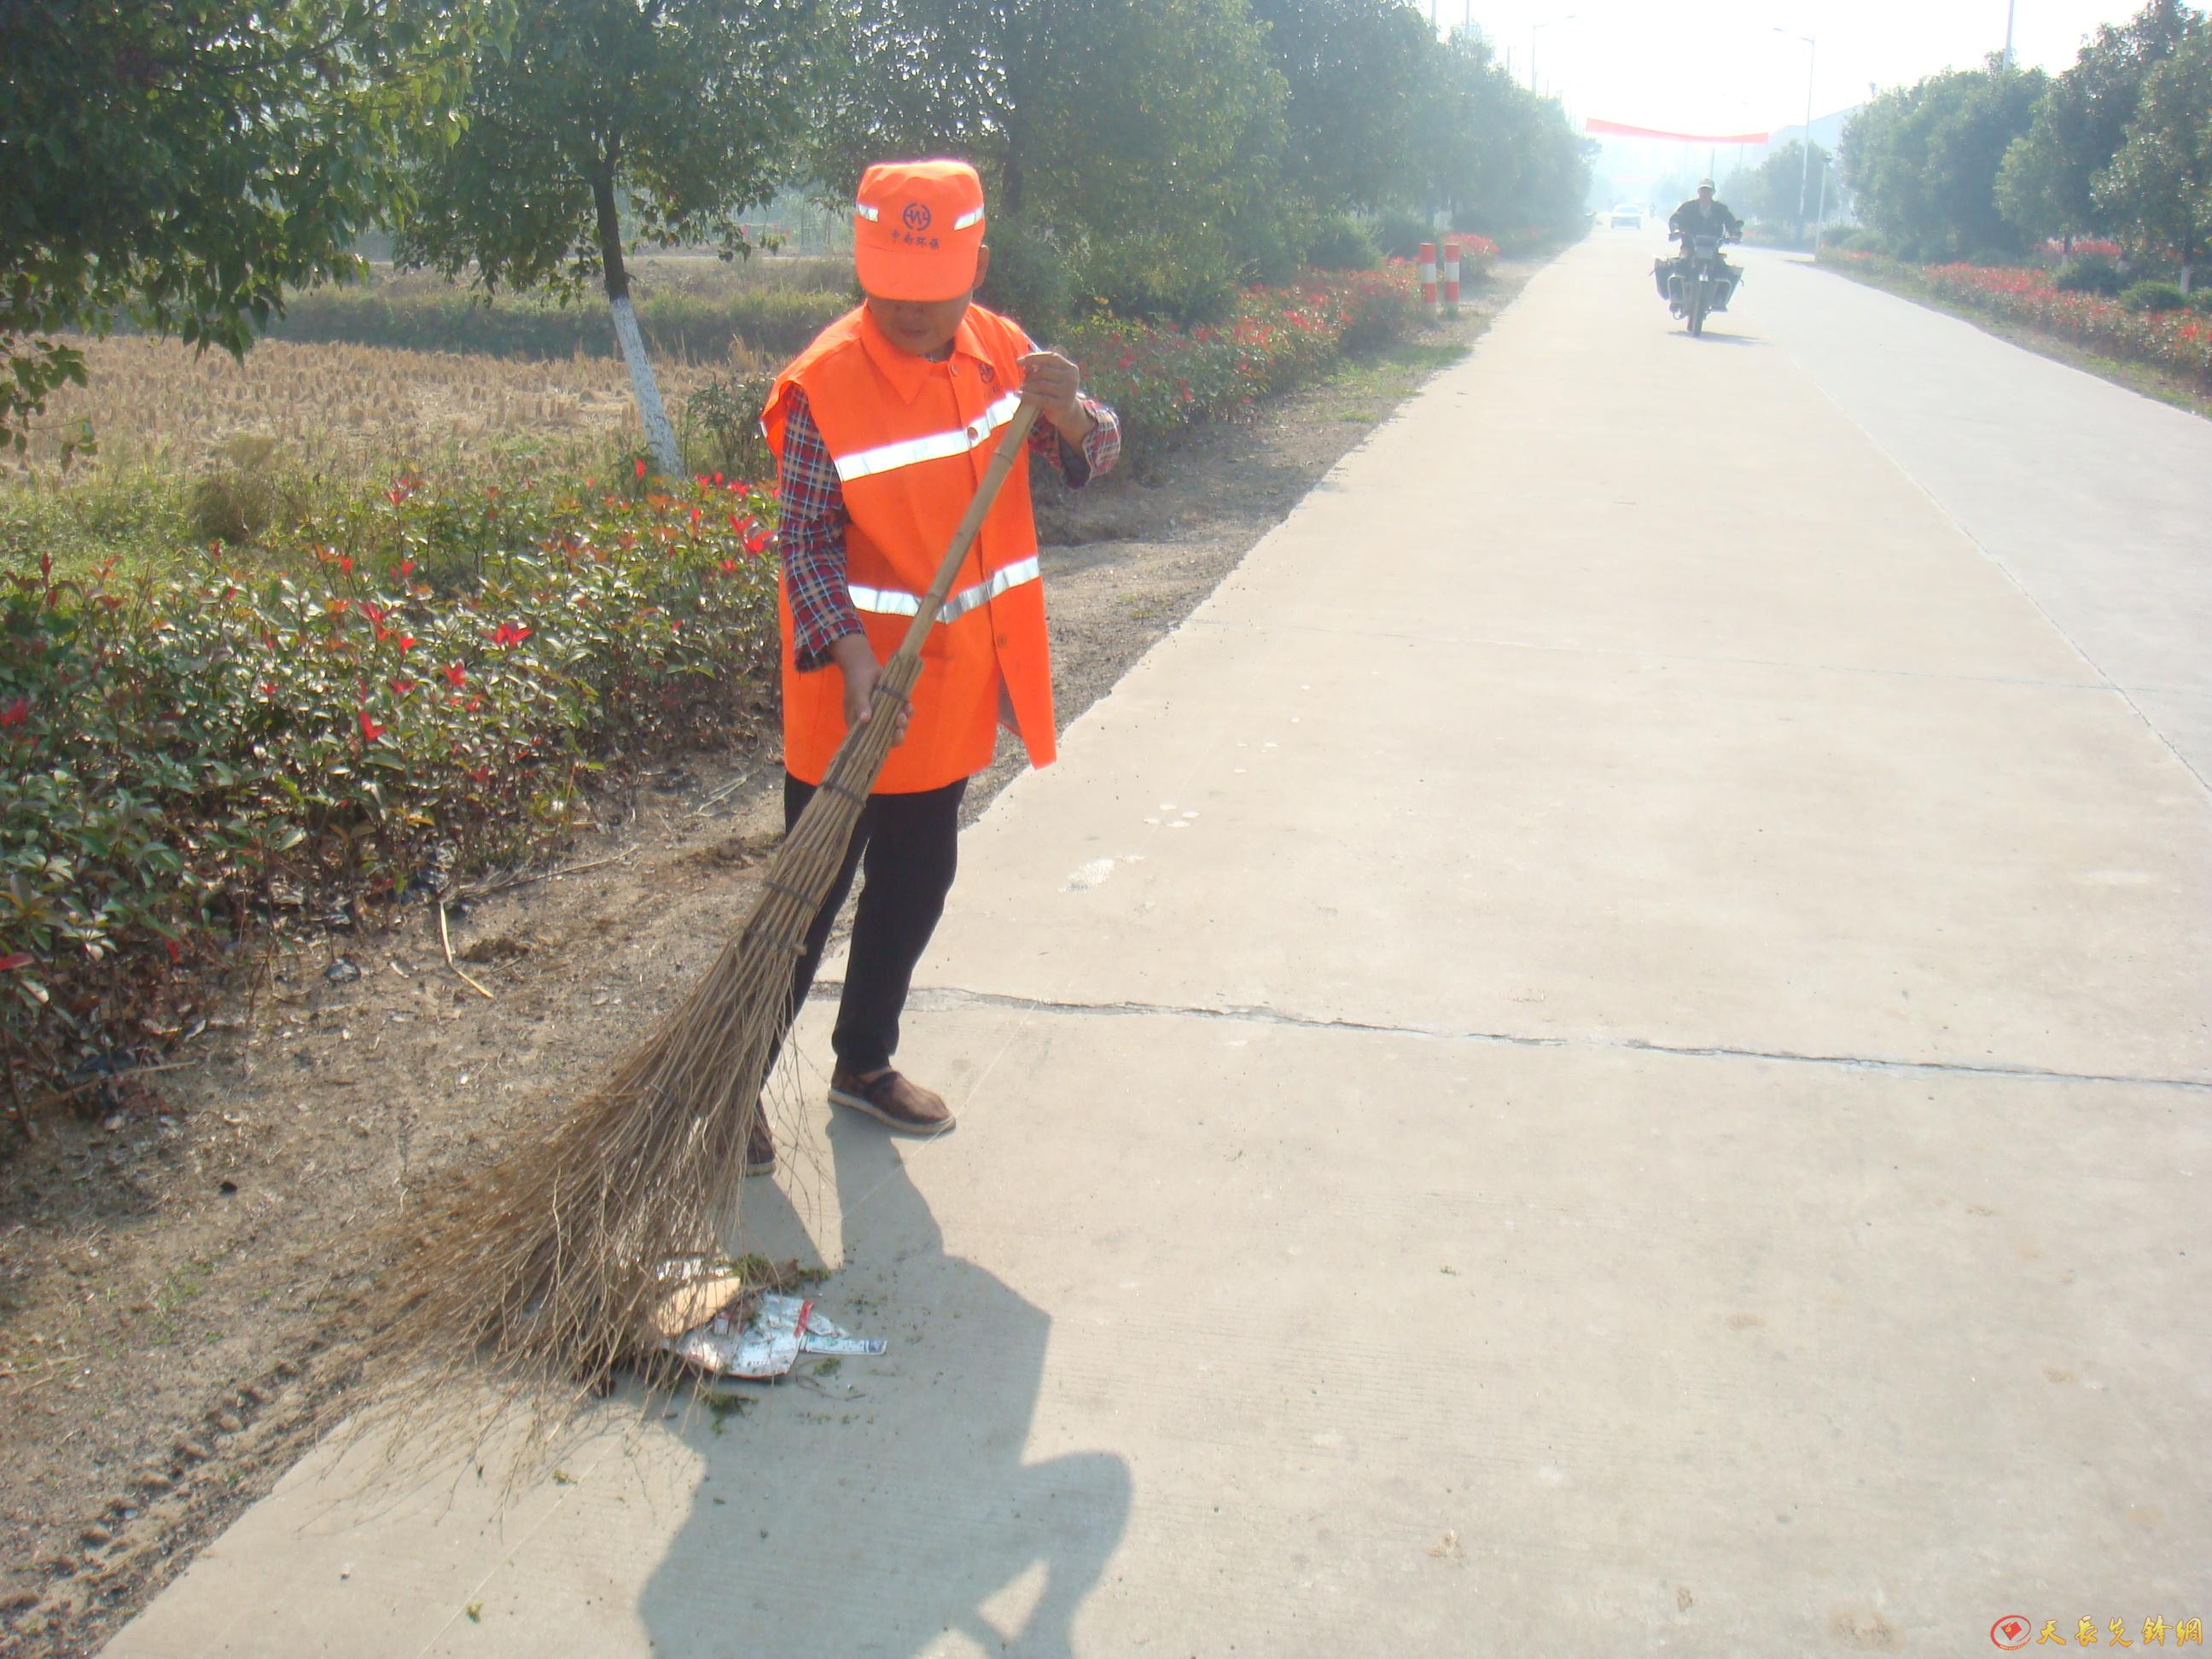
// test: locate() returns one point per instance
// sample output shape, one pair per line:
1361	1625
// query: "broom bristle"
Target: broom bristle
541	1276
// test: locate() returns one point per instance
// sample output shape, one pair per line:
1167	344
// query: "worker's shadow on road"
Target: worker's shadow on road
874	1510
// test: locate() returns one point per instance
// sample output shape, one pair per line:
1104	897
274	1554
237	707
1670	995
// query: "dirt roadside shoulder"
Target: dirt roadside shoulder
167	1279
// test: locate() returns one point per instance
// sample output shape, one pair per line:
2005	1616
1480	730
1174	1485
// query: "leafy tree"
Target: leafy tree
1783	189
2047	184
1103	113
1500	157
1922	160
1148	134
180	163
2160	183
2042	190
1351	145
680	113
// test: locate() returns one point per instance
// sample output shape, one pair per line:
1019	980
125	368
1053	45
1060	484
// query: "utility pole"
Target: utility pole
2009	5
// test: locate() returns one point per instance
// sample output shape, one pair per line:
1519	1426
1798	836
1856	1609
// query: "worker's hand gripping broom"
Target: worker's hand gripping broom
544	1271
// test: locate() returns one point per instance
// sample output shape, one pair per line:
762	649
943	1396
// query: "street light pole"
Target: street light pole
1541	22
1805	171
2009	5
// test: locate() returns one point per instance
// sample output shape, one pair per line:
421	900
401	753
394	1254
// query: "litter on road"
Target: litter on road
767	1343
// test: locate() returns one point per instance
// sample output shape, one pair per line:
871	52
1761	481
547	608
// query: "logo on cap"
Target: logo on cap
916	216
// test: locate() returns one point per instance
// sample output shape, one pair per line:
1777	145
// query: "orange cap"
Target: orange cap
917	228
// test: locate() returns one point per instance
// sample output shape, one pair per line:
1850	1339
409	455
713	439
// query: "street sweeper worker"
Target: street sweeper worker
882	430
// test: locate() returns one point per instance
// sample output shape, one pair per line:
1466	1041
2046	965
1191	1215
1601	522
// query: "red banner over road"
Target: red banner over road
1622	130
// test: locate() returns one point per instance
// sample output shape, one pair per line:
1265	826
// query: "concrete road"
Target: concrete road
2096	500
1607	1053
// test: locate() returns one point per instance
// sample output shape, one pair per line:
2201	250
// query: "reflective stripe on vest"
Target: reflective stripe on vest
936	447
890	602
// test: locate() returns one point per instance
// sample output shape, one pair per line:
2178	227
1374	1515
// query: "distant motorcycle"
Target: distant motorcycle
1700	282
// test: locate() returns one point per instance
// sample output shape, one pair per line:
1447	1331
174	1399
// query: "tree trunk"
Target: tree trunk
1010	173
659	436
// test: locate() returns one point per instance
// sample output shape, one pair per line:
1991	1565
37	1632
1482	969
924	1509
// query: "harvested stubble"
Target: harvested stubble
543	1275
350	406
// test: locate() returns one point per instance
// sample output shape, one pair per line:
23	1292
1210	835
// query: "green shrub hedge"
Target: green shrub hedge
433	681
1188	277
1400	232
1158	378
1341	241
2089	273
2153	297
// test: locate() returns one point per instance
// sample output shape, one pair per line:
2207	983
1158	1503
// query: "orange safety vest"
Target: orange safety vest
911	439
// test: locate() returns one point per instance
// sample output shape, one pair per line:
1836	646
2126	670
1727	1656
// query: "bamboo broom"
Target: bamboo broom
541	1276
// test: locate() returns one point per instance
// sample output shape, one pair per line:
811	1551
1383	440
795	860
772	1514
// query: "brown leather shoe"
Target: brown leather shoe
892	1101
760	1145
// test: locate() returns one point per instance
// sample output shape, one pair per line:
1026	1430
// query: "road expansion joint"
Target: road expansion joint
953	999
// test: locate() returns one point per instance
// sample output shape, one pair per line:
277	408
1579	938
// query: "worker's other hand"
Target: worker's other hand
856	661
1052	383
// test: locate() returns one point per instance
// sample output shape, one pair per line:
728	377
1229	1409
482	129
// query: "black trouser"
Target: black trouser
910	845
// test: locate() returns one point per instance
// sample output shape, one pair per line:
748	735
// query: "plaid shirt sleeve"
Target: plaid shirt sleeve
811	536
1101	449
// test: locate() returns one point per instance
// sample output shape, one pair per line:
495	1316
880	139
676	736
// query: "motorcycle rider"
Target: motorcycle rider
1703	214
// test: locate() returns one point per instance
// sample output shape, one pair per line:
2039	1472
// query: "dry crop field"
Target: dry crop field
355	408
703	275
158	403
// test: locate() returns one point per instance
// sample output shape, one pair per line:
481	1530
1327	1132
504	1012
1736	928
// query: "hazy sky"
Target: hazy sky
1717	65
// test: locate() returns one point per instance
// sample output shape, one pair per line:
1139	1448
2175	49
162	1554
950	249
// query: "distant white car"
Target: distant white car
1625	217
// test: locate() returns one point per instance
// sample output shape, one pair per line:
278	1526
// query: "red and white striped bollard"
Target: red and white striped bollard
1452	275
1429	277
